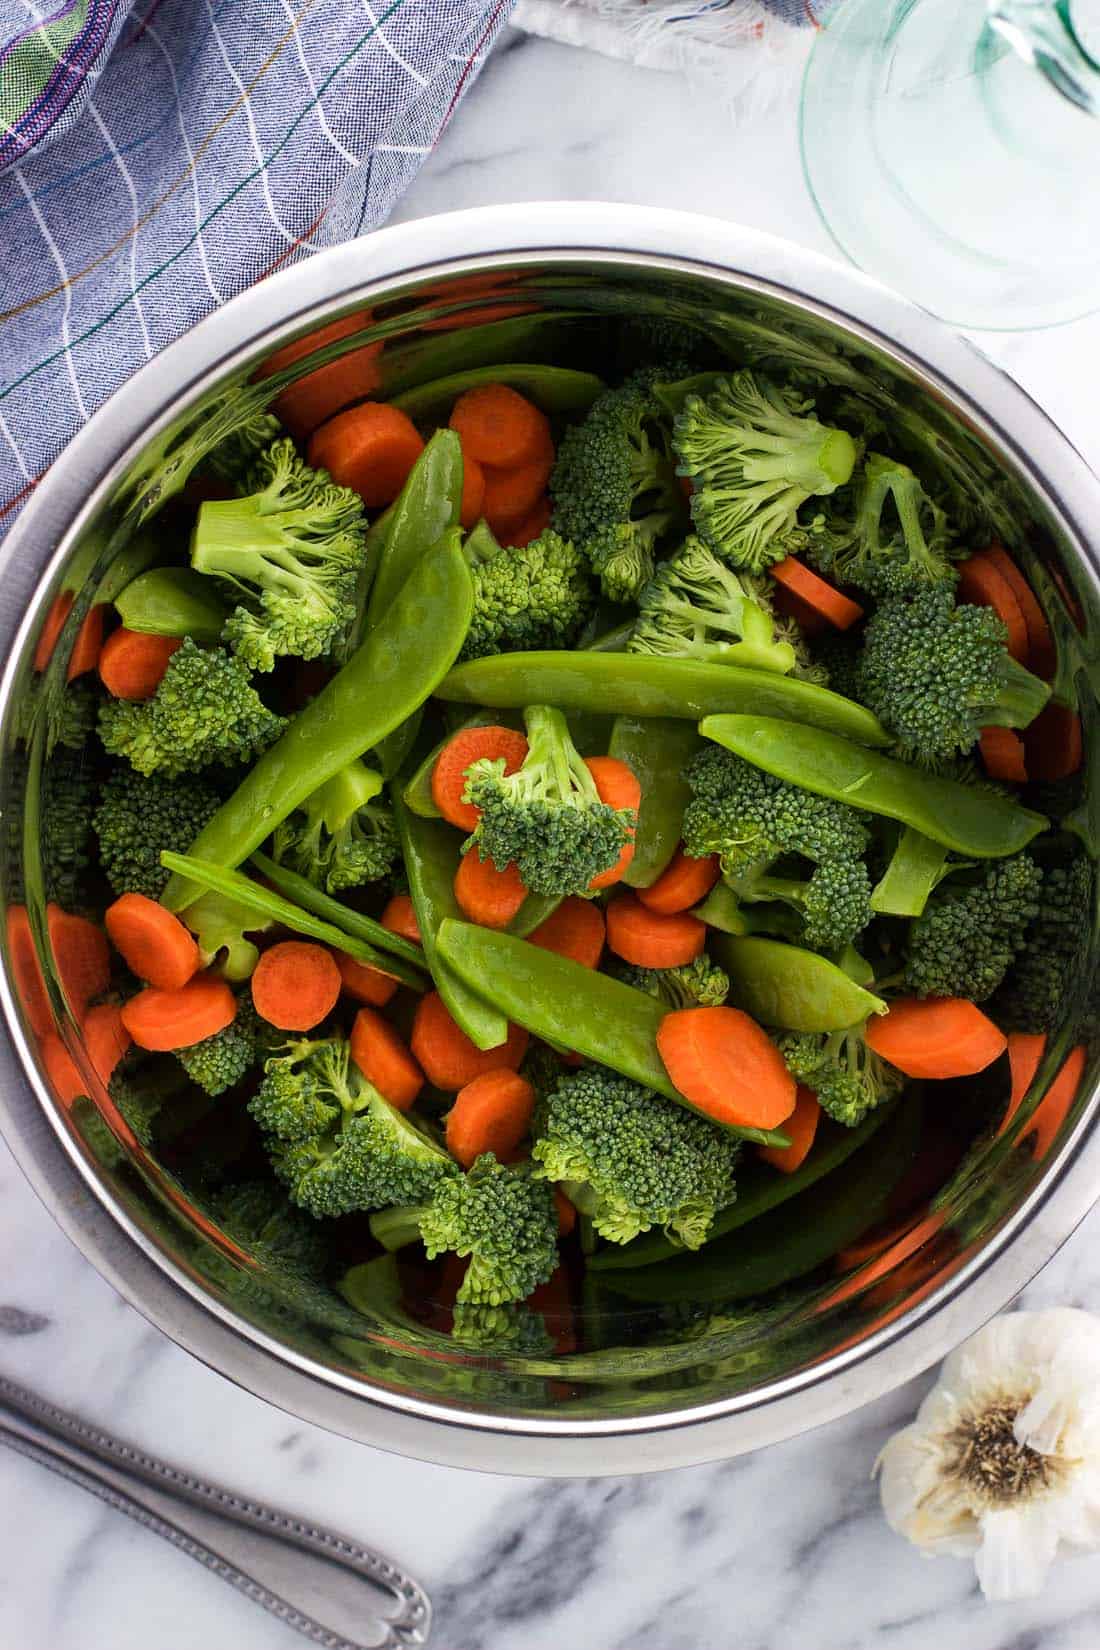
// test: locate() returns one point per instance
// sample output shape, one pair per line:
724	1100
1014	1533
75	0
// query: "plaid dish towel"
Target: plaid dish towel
158	157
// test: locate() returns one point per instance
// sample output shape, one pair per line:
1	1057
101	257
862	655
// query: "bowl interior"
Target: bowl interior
907	1216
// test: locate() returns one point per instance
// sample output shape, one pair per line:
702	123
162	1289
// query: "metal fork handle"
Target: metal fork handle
324	1585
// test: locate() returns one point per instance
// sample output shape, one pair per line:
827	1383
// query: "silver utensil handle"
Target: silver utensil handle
326	1586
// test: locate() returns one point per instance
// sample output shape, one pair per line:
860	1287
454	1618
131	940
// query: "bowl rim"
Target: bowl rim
258	321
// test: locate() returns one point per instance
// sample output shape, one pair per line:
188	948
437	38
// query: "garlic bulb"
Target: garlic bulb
1003	1460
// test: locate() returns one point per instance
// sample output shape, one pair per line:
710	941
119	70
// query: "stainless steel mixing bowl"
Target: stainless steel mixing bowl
650	1384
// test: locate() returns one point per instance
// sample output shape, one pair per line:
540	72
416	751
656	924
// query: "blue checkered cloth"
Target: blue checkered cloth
158	157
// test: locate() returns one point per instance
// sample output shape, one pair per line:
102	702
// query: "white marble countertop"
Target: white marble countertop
784	1549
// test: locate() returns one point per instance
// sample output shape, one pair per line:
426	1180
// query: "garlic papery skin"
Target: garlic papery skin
1002	1463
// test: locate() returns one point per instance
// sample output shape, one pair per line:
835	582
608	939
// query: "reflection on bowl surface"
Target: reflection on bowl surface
894	1225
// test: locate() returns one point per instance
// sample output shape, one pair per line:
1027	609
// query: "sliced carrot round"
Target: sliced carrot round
132	664
511	495
726	1066
818	594
317	395
87	646
491	1113
370	448
617	786
473	492
532	526
384	1060
1003	755
468	746
801	1125
575	930
81	956
365	984
683	883
936	1037
1054	743
165	1020
62	1072
295	985
982	585
447	1056
106	1038
152	942
1042	655
399	917
650	940
486	895
498	426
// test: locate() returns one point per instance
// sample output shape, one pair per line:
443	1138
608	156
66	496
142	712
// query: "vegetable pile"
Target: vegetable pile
554	836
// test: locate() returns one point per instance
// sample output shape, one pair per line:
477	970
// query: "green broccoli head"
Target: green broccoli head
205	711
754	821
233	458
221	1061
970	931
505	1220
937	674
698	984
630	1159
896	540
290	552
547	817
536	595
258	1217
1047	974
140	815
334	1141
614	487
696	607
342	836
847	1076
754	453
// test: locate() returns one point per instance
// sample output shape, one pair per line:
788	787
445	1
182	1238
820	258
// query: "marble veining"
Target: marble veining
785	1550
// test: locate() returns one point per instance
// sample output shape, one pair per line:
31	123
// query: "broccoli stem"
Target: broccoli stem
395	1228
551	748
916	866
233	541
339	798
817	459
1020	698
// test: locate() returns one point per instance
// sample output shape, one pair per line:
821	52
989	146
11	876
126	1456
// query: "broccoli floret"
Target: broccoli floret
205	711
140	1087
233	458
334	1141
837	652
342	836
290	552
697	608
937	674
138	817
629	1159
505	1220
753	820
614	487
547	817
1049	969
754	453
221	927
969	933
258	1217
847	1076
698	984
896	541
219	1062
531	596
68	788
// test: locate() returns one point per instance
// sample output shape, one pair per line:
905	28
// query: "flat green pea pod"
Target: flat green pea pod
657	749
759	1189
723	910
537	334
173	601
302	892
430	849
534	911
570	1006
384	681
425	511
916	866
961	817
795	990
792	1240
635	684
554	389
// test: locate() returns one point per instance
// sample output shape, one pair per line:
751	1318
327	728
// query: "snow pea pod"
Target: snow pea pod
554	389
722	910
793	1239
783	985
516	337
759	1188
634	684
431	855
568	1005
534	910
916	866
426	509
657	749
173	601
384	681
963	818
